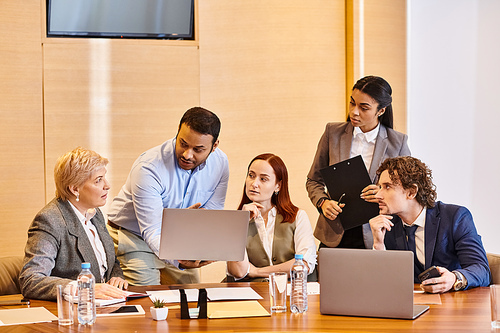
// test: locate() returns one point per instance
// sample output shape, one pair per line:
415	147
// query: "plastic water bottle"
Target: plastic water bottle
298	294
86	296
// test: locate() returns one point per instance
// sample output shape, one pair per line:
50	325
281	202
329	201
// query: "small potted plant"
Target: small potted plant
158	310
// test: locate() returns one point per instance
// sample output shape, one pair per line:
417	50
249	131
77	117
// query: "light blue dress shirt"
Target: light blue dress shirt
156	182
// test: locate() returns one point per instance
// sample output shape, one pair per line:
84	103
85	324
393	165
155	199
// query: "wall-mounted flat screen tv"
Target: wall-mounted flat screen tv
154	19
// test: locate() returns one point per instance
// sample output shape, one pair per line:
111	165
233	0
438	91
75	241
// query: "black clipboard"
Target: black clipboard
350	177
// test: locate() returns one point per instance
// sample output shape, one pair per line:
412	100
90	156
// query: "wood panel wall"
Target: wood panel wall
21	126
274	72
117	97
385	50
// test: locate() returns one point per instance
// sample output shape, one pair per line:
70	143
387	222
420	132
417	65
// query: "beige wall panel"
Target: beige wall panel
21	127
274	71
119	98
385	50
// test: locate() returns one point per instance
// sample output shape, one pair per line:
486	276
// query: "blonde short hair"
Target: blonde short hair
74	168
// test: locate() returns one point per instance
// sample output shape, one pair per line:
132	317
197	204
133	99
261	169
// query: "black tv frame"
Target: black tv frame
117	35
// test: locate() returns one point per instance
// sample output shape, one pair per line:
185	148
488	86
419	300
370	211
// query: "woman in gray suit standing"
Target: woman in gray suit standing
367	132
71	230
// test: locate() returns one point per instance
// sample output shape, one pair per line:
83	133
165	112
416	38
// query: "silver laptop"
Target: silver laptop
367	283
203	234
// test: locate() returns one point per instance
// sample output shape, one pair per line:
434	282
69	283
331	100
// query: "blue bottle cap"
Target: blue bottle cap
85	265
299	256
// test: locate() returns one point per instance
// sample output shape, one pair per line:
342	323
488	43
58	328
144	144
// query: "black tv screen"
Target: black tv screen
155	19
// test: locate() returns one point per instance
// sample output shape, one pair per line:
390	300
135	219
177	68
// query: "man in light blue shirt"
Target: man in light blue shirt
188	171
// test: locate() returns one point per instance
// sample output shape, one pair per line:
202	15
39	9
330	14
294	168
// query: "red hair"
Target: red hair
282	201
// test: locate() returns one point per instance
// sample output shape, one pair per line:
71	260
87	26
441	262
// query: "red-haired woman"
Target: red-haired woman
277	229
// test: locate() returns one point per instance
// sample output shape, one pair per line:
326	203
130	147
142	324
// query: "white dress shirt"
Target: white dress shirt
303	237
419	236
364	144
94	239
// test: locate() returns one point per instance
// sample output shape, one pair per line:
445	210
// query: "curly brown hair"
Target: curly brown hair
409	171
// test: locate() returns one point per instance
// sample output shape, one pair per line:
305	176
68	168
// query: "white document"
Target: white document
25	316
173	296
232	293
104	302
213	294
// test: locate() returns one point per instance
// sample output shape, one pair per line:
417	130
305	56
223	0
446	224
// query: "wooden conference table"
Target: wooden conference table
464	311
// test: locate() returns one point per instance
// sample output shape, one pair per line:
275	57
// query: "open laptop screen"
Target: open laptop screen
368	283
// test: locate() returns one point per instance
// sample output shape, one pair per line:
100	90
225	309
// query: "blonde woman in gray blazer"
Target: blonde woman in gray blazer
71	230
367	132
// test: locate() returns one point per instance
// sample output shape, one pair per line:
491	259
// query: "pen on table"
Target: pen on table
338	201
23	301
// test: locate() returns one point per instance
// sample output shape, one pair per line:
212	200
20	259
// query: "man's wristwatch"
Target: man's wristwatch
459	282
318	205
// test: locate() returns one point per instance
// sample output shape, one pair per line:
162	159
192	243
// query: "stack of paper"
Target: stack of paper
104	302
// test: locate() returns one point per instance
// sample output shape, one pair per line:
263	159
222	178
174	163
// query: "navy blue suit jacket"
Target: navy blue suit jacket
451	241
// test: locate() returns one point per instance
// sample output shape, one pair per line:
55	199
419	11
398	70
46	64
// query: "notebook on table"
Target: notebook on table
367	283
203	234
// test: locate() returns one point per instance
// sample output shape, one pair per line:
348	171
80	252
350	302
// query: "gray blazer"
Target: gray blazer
57	246
335	146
